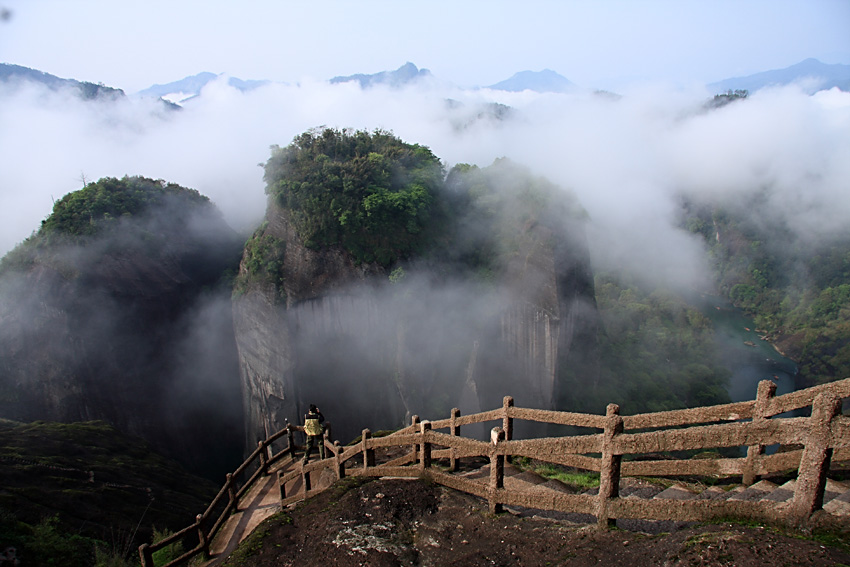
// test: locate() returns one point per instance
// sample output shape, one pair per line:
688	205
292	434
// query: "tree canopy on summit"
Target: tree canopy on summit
370	193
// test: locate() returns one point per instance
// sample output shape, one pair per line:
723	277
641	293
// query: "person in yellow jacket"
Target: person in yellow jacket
315	432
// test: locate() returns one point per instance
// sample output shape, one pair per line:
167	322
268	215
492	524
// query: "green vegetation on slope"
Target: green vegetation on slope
495	213
797	290
370	193
100	207
82	493
657	352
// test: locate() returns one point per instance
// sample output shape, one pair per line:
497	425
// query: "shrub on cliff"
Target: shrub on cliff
370	193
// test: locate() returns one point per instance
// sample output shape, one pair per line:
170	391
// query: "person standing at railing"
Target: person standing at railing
315	432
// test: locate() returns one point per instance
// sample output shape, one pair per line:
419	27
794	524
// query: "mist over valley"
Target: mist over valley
627	161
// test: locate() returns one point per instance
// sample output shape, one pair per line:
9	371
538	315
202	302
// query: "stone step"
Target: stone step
782	493
755	492
840	505
638	488
676	492
833	490
712	493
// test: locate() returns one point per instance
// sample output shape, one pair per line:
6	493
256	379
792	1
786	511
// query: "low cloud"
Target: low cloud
626	158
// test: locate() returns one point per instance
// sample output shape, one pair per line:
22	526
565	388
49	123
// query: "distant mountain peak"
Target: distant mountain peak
545	81
406	74
189	87
811	73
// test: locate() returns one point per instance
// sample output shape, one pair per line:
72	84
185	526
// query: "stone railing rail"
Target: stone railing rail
823	438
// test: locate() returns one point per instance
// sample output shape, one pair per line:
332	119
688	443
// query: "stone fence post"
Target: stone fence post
425	454
281	486
507	422
231	490
454	430
264	456
497	471
340	466
766	391
368	454
609	474
290	439
414	421
146	555
203	541
305	478
815	461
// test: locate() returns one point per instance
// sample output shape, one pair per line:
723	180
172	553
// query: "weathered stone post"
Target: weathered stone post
609	474
425	454
305	478
146	555
454	430
368	453
507	422
414	422
766	391
264	456
326	439
231	491
203	542
497	471
281	486
290	439
340	466
814	464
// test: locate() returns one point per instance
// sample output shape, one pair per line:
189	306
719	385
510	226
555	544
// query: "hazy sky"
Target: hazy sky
132	44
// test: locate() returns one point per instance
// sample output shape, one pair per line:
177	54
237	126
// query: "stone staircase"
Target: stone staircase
836	496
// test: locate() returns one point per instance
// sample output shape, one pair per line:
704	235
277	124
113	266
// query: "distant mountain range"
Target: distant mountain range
545	81
811	74
189	87
404	75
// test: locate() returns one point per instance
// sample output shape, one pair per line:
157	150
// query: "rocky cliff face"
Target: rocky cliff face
371	352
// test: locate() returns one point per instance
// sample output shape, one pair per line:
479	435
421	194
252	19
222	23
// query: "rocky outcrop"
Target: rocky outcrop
370	351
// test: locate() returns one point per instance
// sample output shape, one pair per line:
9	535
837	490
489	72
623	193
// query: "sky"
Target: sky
134	44
627	160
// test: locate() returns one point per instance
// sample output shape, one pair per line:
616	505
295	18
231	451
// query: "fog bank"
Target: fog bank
626	157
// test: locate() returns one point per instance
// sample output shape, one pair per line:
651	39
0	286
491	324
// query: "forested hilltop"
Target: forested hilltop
117	309
796	287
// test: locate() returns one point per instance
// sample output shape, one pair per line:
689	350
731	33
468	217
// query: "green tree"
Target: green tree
370	193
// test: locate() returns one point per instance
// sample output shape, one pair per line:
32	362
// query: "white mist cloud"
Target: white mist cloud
625	158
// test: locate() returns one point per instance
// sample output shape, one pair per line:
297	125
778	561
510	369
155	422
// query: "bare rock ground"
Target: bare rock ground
395	522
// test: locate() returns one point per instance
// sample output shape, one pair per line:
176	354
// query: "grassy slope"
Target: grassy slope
45	472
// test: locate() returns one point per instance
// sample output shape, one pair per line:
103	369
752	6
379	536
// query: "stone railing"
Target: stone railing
823	438
237	484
